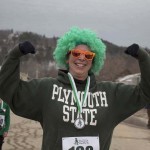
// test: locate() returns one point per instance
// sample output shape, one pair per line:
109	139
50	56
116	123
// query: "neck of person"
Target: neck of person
79	77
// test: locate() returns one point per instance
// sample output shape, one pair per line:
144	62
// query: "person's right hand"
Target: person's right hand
26	47
132	50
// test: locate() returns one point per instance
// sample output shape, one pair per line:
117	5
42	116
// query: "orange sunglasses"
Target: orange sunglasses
87	54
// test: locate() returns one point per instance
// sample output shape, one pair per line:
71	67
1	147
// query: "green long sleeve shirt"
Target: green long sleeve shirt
4	117
51	102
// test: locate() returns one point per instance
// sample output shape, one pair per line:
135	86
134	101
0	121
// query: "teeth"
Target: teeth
80	65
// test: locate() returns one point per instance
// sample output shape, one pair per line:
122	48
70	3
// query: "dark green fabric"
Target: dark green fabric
5	111
50	101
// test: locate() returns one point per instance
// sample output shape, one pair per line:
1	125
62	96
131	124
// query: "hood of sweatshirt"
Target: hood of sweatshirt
63	77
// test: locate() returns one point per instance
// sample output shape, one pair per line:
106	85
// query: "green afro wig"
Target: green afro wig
76	36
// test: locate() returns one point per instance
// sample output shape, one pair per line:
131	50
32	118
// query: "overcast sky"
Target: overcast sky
121	22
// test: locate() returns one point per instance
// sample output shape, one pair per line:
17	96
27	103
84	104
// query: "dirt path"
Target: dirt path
24	134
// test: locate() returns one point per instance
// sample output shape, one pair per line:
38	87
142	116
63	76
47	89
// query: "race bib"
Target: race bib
2	120
81	143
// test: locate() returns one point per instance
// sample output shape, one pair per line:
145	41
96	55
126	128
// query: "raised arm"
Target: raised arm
131	98
144	63
10	70
20	95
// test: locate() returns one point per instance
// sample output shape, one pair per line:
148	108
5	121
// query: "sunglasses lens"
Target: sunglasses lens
76	54
89	56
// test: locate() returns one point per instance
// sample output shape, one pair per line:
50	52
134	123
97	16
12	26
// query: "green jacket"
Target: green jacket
4	112
51	102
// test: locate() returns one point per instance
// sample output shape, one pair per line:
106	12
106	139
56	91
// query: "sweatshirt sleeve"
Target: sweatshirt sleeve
19	95
144	63
131	98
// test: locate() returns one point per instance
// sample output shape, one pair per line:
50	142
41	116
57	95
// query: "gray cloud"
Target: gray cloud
120	22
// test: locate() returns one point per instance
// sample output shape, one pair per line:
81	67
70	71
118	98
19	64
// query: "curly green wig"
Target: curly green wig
76	36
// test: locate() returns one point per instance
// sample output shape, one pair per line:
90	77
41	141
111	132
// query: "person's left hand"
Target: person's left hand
5	134
27	47
132	50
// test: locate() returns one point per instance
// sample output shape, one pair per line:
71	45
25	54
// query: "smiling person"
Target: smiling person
78	67
74	110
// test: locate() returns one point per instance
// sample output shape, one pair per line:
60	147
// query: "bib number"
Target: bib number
81	143
81	148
